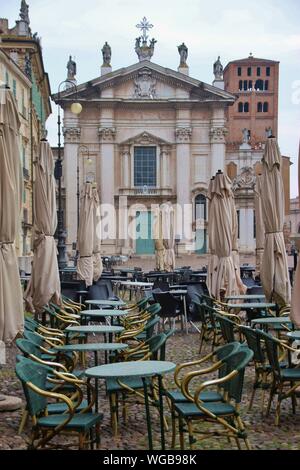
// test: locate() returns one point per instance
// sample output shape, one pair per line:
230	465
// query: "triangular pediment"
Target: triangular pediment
146	81
145	138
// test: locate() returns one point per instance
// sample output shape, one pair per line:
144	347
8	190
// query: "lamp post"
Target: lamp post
76	108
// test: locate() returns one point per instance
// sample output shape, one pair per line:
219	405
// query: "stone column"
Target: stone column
107	180
164	155
218	132
125	159
184	226
71	143
123	225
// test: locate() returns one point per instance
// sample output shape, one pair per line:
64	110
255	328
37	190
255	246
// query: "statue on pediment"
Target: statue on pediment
218	69
106	54
183	52
71	67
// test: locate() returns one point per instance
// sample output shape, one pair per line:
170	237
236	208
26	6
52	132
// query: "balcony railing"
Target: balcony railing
145	191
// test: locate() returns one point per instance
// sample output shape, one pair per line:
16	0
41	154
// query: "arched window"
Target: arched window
266	107
246	107
259	107
245	85
240	85
259	85
241	107
250	85
267	85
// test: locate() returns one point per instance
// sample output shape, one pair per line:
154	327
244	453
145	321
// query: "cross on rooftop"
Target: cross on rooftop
144	26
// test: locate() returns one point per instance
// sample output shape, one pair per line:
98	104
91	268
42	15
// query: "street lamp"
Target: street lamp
76	108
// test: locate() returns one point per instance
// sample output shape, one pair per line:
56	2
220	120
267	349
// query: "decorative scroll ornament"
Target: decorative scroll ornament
245	180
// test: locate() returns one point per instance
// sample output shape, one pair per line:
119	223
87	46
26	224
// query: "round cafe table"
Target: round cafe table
108	314
142	369
106	303
95	329
293	335
94	347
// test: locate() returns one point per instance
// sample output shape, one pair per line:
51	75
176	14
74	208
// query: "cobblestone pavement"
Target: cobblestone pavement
263	434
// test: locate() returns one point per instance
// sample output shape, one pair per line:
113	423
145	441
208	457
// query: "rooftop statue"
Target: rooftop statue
218	70
106	53
183	52
71	67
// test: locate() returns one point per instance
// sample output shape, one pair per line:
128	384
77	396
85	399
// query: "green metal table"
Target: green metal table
107	313
271	321
293	335
141	369
246	297
252	306
106	303
93	347
95	329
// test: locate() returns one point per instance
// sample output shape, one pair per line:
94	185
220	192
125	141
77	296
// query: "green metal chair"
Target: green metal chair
33	377
224	414
215	358
281	377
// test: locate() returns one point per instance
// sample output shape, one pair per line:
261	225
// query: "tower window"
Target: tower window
241	107
245	85
258	71
249	71
246	108
259	85
240	85
266	85
259	107
239	71
268	71
266	107
250	85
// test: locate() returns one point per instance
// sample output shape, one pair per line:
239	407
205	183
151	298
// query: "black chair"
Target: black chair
162	285
193	292
107	283
171	308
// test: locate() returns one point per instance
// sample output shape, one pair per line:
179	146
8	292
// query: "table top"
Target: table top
158	274
250	305
294	334
82	292
92	347
246	297
178	291
178	286
198	275
113	303
95	329
104	313
131	369
271	320
137	284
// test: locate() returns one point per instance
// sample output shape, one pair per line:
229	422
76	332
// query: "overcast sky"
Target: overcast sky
232	29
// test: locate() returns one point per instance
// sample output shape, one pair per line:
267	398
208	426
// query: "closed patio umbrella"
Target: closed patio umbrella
213	259
295	311
97	260
11	303
159	244
168	229
85	240
259	225
222	230
274	268
44	285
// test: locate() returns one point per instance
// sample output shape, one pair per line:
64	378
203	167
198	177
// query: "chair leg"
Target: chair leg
191	435
272	392
277	412
173	417
23	421
181	435
294	401
98	442
113	413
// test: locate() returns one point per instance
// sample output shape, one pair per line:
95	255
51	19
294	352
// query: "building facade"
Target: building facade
154	135
22	69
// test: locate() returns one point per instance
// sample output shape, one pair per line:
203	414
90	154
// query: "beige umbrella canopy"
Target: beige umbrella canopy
221	229
295	311
274	268
11	303
44	284
213	259
97	260
168	235
259	225
86	236
158	239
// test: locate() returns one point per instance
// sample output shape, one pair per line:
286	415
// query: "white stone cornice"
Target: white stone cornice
107	134
218	134
183	134
72	134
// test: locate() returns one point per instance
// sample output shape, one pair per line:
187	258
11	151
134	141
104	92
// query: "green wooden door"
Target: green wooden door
144	241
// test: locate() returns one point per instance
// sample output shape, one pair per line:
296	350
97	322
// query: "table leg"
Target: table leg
148	417
96	381
161	412
185	315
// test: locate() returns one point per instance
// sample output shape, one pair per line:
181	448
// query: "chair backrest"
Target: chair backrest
28	326
34	338
227	328
271	344
254	343
27	347
98	292
167	302
200	308
222	353
150	325
107	283
30	371
156	344
141	304
237	361
162	285
154	309
193	292
207	300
